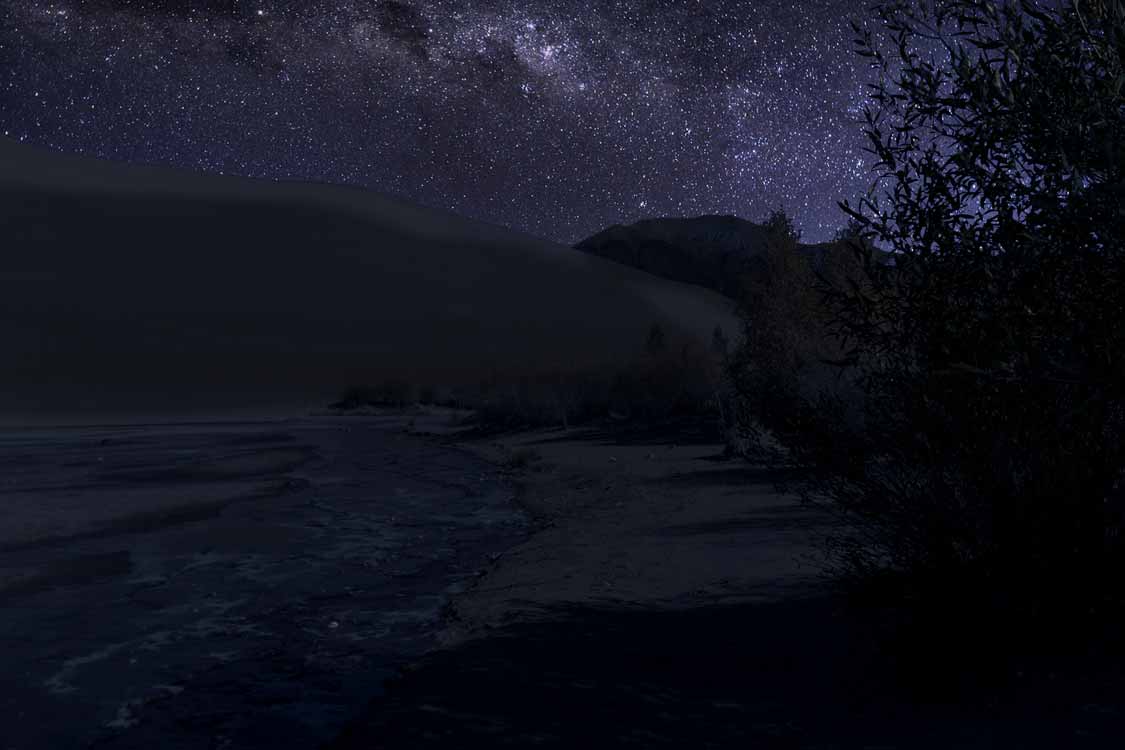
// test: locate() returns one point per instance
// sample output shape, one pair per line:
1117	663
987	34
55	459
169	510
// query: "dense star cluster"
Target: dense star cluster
557	117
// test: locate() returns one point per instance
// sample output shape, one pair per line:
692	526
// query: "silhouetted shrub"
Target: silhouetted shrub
674	378
389	393
788	364
991	354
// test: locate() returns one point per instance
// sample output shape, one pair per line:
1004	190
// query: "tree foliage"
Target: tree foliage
786	362
991	352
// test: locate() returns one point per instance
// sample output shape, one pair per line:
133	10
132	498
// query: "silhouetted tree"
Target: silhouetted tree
779	367
780	225
991	354
852	231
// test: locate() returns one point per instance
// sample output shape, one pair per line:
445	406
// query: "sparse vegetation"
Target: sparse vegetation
976	457
389	393
788	362
668	378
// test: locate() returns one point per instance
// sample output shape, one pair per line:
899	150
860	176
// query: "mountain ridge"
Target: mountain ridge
713	250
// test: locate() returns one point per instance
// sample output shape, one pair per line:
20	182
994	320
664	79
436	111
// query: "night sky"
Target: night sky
558	118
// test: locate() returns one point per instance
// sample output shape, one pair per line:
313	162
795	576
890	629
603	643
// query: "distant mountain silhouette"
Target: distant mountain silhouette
716	252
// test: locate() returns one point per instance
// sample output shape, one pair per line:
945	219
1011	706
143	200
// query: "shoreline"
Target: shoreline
242	585
618	521
635	579
599	630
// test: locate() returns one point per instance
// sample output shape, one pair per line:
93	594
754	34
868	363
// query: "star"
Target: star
537	115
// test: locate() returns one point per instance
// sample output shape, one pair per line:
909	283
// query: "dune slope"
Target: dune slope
129	288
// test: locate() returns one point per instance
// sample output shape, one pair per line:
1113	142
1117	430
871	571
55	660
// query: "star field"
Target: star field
557	118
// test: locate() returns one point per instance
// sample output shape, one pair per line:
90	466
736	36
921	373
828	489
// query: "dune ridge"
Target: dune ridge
148	289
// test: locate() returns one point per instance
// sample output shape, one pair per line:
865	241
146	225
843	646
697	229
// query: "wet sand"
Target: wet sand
669	598
338	582
226	585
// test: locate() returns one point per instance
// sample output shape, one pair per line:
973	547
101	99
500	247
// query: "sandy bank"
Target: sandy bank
642	521
666	601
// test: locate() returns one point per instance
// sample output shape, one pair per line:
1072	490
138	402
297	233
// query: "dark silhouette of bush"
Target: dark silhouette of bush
788	362
389	393
669	378
990	355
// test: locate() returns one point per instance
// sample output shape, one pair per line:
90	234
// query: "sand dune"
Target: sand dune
128	288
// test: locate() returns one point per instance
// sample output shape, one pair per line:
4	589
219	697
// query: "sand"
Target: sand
666	600
144	291
242	585
657	522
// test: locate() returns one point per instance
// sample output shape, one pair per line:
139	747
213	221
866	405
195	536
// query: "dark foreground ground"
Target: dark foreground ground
796	674
337	583
226	585
688	623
